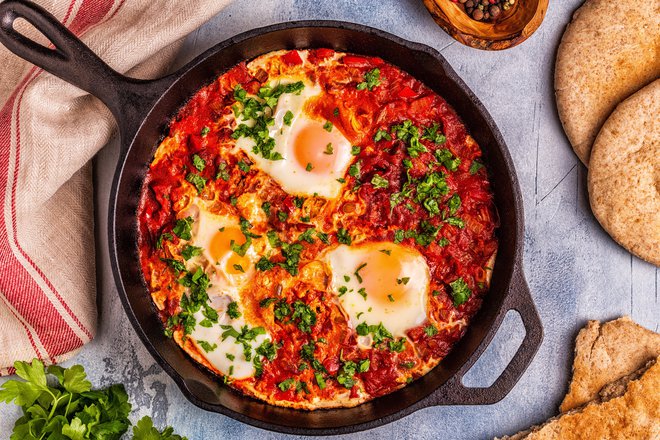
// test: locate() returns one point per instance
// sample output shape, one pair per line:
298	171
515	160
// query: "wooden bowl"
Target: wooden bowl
511	28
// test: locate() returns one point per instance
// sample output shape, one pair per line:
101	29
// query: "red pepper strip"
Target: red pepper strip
407	92
292	58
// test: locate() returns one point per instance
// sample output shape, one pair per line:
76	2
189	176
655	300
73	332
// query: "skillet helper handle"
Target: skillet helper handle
71	60
453	392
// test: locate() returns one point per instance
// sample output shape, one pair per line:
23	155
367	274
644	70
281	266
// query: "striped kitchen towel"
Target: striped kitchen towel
49	131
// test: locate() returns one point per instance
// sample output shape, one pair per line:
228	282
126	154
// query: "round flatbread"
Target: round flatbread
624	174
608	52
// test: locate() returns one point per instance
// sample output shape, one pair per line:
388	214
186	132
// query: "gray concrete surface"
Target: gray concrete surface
575	271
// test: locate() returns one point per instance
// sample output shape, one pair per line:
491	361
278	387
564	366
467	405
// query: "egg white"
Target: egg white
292	177
399	316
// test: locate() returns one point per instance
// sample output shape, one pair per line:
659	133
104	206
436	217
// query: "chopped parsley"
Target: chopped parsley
379	182
475	167
320	381
206	346
460	291
409	134
430	330
357	272
222	172
286	384
288	117
403	280
309	167
434	134
268	349
454	203
390	297
282	216
354	170
239	268
382	134
371	80
232	310
355	150
397	345
164	236
455	221
204	132
177	265
291	253
189	252
363	293
267	302
327	126
198	163
307	236
446	158
259	110
328	149
198	181
344	237
266	208
264	264
243	166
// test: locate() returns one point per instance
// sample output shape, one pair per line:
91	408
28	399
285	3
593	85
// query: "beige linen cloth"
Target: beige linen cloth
49	131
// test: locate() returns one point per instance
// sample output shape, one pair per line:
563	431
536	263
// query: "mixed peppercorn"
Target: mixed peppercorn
485	10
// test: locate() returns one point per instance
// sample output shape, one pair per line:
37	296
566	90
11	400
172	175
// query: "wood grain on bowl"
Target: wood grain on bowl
511	28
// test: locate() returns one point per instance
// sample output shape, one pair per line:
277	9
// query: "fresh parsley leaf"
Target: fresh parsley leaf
232	310
327	126
454	203
475	167
144	430
190	251
198	163
460	291
455	221
382	134
286	384
161	238
344	237
371	80
177	265
433	134
430	330
379	182
198	181
206	346
183	228
288	117
446	158
355	150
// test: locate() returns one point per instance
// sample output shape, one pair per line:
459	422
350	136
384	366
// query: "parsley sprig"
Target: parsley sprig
68	408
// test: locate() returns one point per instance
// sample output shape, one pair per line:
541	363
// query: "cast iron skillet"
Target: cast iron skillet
143	109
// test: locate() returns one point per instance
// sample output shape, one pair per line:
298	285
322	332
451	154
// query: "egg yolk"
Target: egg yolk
313	147
221	251
384	277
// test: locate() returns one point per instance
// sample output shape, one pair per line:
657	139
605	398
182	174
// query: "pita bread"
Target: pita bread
627	409
605	353
608	52
624	175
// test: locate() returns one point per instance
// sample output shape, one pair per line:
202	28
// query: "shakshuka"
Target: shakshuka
317	228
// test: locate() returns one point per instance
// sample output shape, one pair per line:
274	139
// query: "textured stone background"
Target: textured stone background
575	271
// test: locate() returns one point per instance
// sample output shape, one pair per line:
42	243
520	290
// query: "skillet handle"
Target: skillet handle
453	392
71	60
